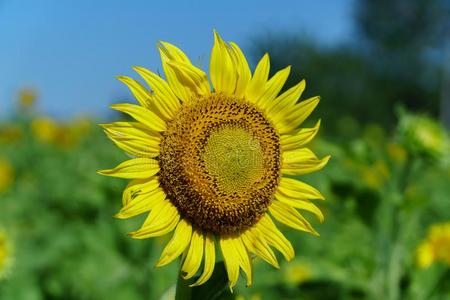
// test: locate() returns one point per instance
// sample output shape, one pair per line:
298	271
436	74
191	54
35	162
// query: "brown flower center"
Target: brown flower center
220	163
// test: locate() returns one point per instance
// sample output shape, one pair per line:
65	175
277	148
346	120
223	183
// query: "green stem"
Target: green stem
390	233
215	288
401	226
183	291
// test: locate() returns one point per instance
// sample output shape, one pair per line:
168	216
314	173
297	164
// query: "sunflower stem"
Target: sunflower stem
215	288
394	226
183	291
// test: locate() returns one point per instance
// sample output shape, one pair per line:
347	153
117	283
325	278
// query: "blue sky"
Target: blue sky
70	51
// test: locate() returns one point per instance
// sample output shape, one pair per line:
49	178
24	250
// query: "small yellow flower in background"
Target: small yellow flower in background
68	136
297	273
27	98
5	254
397	152
10	133
436	246
422	134
6	175
45	129
430	138
72	133
256	296
376	174
215	163
425	255
49	131
81	126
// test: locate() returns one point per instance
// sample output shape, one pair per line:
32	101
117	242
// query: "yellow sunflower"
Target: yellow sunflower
213	162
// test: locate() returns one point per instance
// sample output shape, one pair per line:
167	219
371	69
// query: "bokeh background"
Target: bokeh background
382	69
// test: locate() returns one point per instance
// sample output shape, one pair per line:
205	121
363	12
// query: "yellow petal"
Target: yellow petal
133	129
298	155
184	79
210	260
139	187
256	86
243	70
301	161
194	256
182	93
289	119
142	115
172	52
255	242
273	87
191	78
297	189
163	98
301	204
136	168
141	94
274	237
142	204
134	145
286	100
177	244
136	148
299	139
304	109
222	67
161	220
244	259
235	256
290	217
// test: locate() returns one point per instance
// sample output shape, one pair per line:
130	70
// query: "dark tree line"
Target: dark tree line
395	58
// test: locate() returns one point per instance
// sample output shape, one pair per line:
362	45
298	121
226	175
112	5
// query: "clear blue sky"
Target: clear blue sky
70	51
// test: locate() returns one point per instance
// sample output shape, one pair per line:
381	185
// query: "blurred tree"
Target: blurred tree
401	25
396	58
409	40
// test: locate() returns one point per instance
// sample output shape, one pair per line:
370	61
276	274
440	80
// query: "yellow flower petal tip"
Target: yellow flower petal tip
325	160
119	215
184	177
103	172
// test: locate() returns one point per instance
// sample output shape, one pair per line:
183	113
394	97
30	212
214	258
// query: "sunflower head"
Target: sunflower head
27	98
214	160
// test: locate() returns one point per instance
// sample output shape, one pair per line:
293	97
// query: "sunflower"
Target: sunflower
214	162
